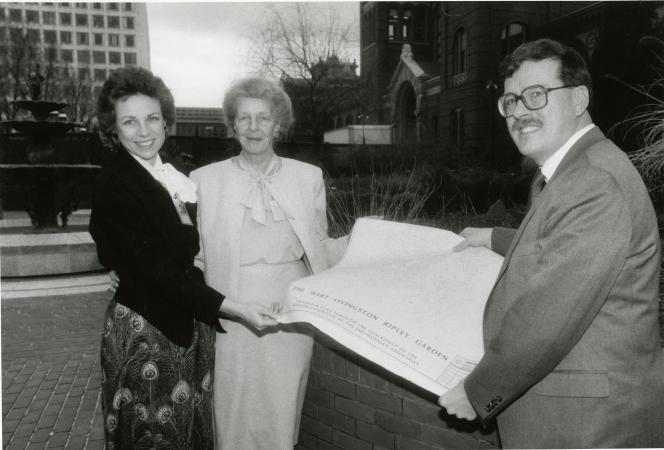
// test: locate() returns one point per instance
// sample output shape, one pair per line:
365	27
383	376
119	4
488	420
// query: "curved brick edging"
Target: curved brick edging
352	403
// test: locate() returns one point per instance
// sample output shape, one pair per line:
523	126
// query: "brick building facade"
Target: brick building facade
432	66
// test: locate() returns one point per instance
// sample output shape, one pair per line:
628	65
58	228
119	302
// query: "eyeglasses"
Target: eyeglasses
533	97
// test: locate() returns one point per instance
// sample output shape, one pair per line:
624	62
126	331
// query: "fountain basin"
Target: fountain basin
40	109
26	255
41	129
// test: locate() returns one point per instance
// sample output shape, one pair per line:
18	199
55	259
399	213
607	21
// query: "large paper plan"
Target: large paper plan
403	299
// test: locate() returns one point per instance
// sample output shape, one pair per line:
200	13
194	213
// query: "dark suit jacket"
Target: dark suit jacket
139	234
573	355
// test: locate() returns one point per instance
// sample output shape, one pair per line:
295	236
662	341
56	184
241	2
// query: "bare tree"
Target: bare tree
22	57
296	44
77	91
18	56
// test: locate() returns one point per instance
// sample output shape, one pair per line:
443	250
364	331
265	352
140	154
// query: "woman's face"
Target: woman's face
140	126
255	125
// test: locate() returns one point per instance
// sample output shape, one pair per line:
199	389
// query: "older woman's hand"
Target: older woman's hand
114	281
254	314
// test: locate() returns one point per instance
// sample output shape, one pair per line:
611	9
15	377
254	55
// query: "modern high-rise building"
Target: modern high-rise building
90	38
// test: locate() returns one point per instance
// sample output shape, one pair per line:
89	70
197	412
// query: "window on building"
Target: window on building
65	37
113	6
33	35
67	55
15	15
51	57
456	126
400	24
64	4
99	39
113	22
130	58
96	6
406	25
129	40
98	21
82	5
128	6
114	58
128	23
48	18
65	18
81	20
50	37
99	57
114	40
83	56
2	14
512	36
392	24
82	38
100	74
15	34
460	51
83	74
32	16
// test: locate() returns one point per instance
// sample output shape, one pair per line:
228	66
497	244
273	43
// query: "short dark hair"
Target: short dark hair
573	69
128	81
264	89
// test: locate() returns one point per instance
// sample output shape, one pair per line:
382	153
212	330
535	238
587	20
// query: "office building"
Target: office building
90	38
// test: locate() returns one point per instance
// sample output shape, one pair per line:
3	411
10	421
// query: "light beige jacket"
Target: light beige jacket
297	187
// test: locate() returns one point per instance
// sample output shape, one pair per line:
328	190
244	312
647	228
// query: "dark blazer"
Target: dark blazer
573	355
139	234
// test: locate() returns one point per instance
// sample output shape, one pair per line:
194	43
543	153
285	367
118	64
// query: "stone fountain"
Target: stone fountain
48	179
39	159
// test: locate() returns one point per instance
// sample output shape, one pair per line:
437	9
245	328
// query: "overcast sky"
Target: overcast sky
200	48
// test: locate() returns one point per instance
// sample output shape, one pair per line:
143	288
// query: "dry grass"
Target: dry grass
398	196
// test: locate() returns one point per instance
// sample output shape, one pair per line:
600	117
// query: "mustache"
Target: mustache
520	123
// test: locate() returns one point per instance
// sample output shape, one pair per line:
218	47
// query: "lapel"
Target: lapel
154	197
286	191
567	164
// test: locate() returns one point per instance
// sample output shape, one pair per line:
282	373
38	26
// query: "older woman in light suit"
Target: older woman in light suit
262	220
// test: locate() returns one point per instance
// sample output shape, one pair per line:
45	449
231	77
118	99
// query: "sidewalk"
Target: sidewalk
50	371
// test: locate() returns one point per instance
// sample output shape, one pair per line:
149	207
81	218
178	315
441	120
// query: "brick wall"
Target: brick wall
352	403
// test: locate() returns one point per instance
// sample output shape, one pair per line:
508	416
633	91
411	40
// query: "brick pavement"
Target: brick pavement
50	372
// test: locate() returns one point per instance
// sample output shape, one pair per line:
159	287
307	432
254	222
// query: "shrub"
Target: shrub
399	196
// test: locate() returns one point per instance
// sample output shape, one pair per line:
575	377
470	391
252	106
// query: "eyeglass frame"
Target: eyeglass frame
521	97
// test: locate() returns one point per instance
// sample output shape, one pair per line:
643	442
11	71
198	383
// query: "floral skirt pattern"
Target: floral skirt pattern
155	394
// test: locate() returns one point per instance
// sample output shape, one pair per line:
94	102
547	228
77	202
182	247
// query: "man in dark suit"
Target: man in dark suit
573	356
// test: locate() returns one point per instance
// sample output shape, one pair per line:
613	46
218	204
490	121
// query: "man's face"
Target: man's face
538	134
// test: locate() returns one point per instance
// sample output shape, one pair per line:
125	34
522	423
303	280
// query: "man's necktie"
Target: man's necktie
536	187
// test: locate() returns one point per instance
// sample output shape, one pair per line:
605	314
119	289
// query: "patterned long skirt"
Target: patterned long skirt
155	394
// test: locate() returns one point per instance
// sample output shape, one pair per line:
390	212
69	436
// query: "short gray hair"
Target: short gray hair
261	88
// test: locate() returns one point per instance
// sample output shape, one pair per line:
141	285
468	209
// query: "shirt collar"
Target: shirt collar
155	170
550	165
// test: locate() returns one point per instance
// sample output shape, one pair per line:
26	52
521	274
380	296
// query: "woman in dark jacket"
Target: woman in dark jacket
157	349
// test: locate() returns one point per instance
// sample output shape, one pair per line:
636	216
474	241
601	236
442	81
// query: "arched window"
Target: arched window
406	25
460	51
456	126
392	24
513	35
